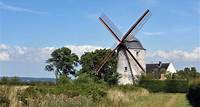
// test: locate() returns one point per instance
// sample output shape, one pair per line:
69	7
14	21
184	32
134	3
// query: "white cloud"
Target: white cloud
194	55
19	53
153	33
19	9
3	46
4	56
79	50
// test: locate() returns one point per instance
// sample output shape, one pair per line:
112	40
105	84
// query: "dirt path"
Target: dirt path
172	101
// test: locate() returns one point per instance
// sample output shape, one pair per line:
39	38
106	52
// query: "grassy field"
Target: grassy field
114	98
145	99
164	99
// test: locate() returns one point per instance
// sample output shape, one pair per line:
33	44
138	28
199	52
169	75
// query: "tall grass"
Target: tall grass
117	96
9	95
145	100
194	81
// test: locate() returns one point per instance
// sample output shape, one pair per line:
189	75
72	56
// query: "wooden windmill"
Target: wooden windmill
130	51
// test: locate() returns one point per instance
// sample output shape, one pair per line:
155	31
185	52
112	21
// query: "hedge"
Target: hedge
171	86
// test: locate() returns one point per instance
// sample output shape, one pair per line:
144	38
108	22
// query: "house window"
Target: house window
137	53
125	69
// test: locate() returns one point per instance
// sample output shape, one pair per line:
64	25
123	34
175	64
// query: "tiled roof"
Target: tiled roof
153	67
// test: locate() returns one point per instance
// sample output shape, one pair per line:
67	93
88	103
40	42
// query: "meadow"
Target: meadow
116	96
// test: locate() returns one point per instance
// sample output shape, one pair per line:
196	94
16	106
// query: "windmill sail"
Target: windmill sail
138	24
110	26
131	36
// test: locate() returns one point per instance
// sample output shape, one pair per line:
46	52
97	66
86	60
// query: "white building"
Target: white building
128	69
161	68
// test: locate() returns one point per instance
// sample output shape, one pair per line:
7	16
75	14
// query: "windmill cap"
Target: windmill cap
134	44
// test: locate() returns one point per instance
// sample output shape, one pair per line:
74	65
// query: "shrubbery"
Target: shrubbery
69	88
172	86
4	101
193	95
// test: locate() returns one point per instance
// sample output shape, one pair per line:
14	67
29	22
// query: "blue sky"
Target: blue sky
31	29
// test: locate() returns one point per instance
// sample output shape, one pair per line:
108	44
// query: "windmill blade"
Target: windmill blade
137	26
106	58
129	64
110	26
134	59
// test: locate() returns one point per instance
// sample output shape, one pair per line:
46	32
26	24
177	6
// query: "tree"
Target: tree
187	73
62	62
4	80
90	60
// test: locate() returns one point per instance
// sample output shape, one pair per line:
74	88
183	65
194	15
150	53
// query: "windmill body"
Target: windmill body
131	54
130	72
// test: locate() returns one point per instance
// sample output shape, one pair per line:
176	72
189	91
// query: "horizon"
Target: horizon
31	30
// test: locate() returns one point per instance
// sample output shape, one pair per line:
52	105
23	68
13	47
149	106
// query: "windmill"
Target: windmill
130	51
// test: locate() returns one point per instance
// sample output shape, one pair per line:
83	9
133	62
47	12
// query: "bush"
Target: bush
4	101
63	80
70	89
193	95
172	86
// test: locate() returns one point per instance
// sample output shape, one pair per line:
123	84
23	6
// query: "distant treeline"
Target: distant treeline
18	81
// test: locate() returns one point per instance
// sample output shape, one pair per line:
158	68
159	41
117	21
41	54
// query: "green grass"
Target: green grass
158	99
149	100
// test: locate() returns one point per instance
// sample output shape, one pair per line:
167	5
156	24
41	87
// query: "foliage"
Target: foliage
63	80
11	81
4	80
72	96
194	81
173	86
66	87
148	76
193	95
4	101
187	73
91	60
176	86
62	62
